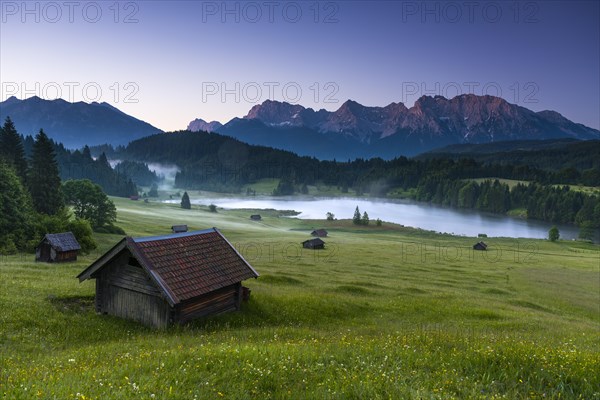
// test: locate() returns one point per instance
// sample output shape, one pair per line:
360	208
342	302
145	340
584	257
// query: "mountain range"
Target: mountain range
355	130
74	124
352	131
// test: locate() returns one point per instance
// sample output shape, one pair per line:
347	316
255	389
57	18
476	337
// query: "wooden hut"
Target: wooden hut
313	244
179	228
57	247
480	246
169	279
319	233
255	217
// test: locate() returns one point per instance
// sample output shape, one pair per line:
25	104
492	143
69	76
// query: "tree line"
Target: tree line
34	201
79	164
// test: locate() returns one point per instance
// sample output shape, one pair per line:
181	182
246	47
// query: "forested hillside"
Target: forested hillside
546	154
76	164
213	162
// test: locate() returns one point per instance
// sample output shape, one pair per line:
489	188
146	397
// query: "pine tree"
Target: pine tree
586	231
365	219
11	149
185	201
356	218
15	211
43	178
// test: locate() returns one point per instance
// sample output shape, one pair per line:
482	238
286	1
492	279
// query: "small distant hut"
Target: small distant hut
57	247
313	244
167	279
255	217
480	246
319	233
134	197
179	228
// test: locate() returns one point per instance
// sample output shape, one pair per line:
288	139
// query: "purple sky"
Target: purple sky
170	62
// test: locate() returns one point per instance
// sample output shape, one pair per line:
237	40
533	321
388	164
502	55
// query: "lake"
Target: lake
407	213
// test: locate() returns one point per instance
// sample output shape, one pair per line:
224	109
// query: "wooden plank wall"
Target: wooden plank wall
66	256
149	310
216	302
126	291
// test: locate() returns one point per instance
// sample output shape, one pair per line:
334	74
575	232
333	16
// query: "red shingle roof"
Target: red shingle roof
186	265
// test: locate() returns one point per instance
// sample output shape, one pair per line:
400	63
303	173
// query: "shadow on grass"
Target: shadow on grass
266	311
352	289
72	304
281	280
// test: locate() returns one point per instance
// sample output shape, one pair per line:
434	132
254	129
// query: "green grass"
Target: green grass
402	194
510	182
518	213
585	189
383	312
262	186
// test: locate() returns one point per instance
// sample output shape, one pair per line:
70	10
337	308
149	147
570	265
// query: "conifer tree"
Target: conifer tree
43	178
11	149
365	219
185	201
356	218
15	211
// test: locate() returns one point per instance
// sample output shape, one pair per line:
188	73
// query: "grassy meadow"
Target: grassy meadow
384	312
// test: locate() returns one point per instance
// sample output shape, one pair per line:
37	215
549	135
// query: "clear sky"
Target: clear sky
170	62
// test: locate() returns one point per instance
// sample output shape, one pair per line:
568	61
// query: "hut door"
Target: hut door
45	252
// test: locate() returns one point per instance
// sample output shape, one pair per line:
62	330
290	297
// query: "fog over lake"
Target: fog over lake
407	213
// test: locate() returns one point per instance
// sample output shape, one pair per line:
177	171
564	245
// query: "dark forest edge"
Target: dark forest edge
553	155
35	201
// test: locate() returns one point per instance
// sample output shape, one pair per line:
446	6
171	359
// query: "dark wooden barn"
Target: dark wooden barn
57	247
179	228
480	246
319	233
255	217
313	244
170	279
